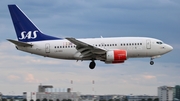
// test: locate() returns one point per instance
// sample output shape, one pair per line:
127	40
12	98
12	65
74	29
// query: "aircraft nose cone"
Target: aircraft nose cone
169	48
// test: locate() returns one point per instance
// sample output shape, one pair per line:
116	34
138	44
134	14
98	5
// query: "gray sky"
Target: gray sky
82	19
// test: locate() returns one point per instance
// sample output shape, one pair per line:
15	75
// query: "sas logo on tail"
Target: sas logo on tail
28	35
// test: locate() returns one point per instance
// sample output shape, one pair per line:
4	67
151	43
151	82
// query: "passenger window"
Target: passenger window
140	43
54	46
57	46
132	43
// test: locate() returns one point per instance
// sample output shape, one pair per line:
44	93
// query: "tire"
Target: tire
151	62
92	65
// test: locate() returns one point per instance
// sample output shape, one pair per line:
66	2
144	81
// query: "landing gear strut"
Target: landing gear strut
92	65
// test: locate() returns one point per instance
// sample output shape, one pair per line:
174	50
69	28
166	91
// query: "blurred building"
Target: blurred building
12	97
0	95
165	93
88	98
102	97
141	98
42	88
50	93
177	93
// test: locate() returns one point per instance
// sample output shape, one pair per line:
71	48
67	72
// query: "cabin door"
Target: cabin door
148	44
47	48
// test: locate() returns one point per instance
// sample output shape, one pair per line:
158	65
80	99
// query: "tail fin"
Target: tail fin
26	31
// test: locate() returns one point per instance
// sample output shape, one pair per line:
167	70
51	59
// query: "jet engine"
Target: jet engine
116	56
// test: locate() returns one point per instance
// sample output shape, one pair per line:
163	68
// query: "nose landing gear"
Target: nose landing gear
92	65
151	62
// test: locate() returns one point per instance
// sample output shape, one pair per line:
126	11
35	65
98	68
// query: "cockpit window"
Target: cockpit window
159	42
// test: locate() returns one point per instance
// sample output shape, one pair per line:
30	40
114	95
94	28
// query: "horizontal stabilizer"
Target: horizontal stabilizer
19	43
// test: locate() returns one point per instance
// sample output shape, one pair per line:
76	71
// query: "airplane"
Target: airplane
112	50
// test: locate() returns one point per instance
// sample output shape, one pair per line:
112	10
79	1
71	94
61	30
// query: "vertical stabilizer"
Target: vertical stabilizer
26	31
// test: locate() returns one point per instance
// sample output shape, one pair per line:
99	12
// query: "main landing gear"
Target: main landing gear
151	62
92	64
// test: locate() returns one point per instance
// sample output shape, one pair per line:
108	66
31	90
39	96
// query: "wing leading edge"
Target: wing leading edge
87	50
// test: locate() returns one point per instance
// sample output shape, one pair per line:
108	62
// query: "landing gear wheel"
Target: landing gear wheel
92	65
151	62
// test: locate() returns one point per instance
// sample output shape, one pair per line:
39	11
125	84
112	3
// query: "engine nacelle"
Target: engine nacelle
113	62
116	56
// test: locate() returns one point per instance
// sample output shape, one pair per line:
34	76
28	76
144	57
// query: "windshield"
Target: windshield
159	42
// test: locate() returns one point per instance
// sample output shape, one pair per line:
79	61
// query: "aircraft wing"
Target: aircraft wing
87	50
19	43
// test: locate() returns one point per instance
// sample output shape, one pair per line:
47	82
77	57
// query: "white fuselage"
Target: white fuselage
64	49
108	50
